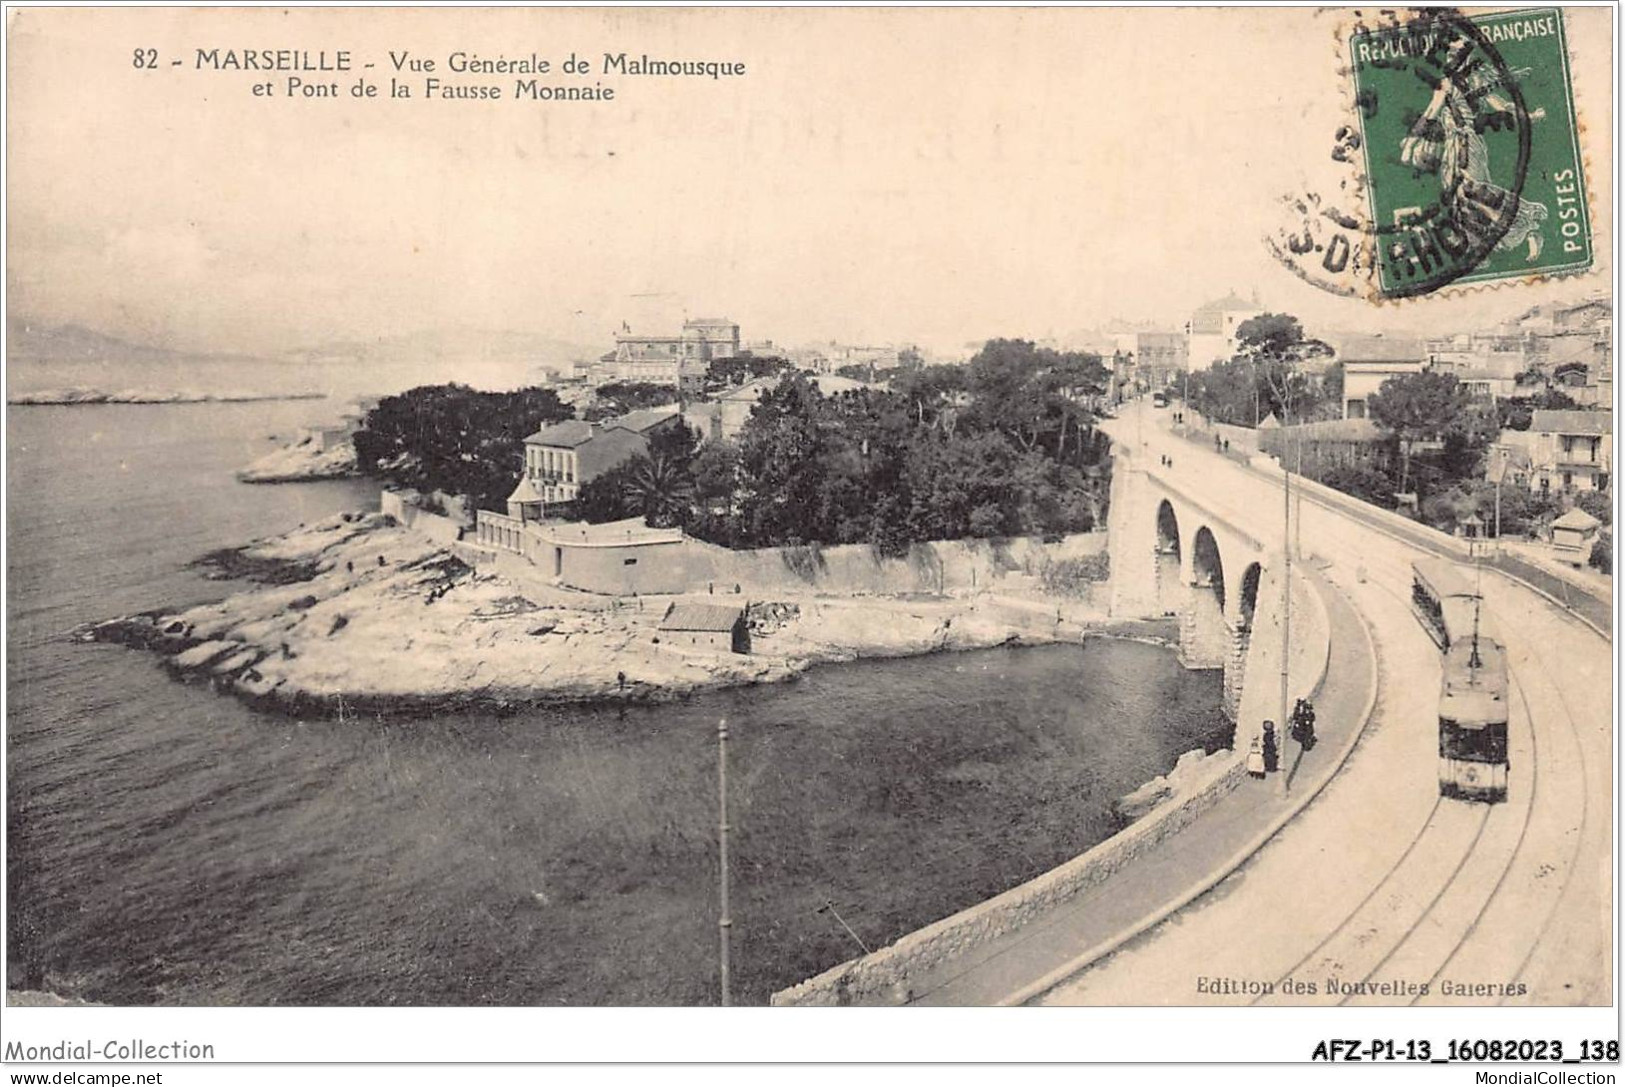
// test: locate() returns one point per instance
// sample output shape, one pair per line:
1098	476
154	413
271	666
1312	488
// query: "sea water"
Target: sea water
169	845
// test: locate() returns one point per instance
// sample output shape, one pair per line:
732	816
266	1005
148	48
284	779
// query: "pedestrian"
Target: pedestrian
1215	443
1272	753
1306	724
1255	759
1227	445
620	680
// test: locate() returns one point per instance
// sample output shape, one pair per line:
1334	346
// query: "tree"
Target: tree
1416	408
782	465
1364	480
455	439
659	488
1598	504
1602	552
1274	347
1226	392
743	367
1468	438
934	395
1518	412
1032	394
620	397
604	497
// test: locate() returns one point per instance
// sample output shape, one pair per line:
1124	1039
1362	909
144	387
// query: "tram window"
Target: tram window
1487	744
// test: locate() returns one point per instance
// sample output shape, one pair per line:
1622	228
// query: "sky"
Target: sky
934	176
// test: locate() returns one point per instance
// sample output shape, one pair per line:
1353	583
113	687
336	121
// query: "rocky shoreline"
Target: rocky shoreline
358	615
301	462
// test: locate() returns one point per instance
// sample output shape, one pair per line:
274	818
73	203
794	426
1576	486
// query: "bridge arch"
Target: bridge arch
1170	561
1207	564
1205	631
1247	599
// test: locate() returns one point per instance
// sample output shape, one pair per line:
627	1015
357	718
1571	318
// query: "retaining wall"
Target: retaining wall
690	565
883	977
440	529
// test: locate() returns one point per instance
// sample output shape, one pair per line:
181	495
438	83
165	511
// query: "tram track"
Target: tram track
1416	949
1487	952
1537	772
1494	902
1579	833
1483	951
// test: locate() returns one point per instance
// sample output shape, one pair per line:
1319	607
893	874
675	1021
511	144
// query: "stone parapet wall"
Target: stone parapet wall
884	977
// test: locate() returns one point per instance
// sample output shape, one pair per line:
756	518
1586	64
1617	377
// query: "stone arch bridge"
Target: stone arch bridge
1180	552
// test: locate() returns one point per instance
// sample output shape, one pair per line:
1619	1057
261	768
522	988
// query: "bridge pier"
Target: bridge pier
1205	639
1235	672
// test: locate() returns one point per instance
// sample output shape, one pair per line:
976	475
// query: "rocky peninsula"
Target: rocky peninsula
357	613
79	394
301	461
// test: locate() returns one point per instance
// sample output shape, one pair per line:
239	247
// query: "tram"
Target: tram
1473	692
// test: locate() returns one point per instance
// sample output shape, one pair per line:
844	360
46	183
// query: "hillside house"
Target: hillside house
1571	450
562	457
1371	360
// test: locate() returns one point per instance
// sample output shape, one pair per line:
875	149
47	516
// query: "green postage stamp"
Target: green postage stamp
1473	167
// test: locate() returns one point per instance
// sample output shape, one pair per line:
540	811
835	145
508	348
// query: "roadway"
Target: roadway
1415	899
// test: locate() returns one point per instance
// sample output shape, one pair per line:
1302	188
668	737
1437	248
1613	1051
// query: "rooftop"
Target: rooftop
525	492
643	419
1572	422
1577	518
707	617
568	434
1380	349
575	432
1338	430
1210	318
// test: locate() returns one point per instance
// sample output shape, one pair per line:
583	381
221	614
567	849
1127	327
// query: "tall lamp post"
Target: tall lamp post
1286	612
1284	394
724	922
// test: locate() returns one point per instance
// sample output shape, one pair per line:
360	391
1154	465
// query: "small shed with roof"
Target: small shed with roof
1573	534
720	628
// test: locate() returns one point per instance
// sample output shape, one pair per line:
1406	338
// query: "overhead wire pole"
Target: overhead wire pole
724	922
1284	392
1286	614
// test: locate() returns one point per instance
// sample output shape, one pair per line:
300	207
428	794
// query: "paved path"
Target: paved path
1200	854
1413	900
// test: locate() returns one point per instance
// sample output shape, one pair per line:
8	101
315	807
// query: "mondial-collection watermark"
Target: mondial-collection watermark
1530	1079
132	1049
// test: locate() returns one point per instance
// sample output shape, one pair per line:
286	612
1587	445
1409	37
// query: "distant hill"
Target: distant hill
35	341
454	345
482	358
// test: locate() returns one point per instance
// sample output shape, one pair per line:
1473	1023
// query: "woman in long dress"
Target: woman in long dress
1446	141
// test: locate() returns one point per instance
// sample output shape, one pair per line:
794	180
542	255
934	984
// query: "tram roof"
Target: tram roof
1486	682
1445	579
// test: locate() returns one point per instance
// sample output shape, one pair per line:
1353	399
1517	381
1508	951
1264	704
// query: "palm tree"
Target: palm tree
660	489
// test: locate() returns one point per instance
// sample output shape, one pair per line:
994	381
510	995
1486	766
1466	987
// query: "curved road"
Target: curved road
1380	892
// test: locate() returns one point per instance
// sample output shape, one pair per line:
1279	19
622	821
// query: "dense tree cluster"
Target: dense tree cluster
455	439
1518	412
620	397
1004	446
740	368
1267	376
1438	438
